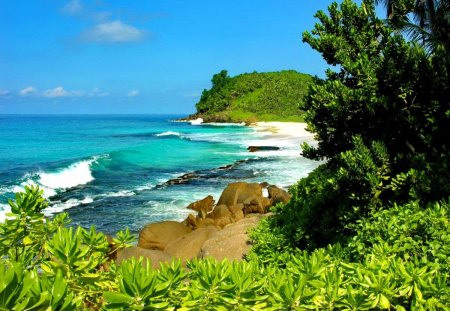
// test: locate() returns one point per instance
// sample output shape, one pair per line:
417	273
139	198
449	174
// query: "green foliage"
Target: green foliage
406	231
381	268
384	89
71	262
254	96
332	197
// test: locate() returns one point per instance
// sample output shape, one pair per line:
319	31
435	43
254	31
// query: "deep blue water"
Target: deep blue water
112	171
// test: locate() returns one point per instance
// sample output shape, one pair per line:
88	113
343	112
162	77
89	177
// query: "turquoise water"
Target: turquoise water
112	171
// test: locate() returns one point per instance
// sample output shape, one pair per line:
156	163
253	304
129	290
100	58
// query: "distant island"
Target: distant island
251	97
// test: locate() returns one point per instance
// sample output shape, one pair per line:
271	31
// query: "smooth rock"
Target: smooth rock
203	206
223	221
159	235
278	195
188	246
220	211
239	192
232	242
155	256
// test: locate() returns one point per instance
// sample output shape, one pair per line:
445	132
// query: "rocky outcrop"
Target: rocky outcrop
158	235
203	207
218	231
188	246
278	195
232	242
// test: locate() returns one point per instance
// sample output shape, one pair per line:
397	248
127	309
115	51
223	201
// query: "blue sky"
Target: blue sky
142	56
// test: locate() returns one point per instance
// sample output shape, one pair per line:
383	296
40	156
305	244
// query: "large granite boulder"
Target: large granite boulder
155	256
256	204
232	242
188	246
203	206
220	211
239	192
159	235
278	195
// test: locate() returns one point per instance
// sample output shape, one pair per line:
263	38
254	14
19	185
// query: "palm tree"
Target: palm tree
430	22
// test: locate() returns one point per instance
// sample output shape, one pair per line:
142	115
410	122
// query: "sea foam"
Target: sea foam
58	207
168	133
76	174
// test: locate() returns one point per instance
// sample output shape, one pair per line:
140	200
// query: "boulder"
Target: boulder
239	192
232	242
205	222
256	204
155	256
223	221
220	211
191	221
236	208
188	246
203	206
159	235
278	195
238	215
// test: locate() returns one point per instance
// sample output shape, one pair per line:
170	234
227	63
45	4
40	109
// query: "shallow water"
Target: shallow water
112	171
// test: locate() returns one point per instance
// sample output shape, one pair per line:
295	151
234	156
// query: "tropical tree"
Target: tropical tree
428	23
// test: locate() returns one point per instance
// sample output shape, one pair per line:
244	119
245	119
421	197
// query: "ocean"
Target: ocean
117	171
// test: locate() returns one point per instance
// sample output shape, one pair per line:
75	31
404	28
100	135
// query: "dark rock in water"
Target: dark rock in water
183	179
230	171
262	148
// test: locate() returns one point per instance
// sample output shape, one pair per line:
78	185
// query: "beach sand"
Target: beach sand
284	131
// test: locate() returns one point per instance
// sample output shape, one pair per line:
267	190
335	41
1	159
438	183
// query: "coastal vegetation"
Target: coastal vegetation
249	97
368	229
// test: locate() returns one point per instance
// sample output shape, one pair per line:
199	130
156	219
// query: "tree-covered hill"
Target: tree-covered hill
267	96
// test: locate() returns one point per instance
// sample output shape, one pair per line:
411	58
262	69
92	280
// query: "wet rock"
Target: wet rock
262	148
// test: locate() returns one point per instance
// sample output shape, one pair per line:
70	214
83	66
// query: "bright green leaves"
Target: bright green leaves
139	288
25	290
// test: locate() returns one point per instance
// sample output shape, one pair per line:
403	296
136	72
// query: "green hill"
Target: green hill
269	96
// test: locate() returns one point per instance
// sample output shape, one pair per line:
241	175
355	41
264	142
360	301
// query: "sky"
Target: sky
142	56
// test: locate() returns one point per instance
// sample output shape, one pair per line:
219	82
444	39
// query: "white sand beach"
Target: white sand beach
280	129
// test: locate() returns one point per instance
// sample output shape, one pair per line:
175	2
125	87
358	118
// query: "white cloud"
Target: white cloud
4	93
72	7
113	32
27	91
61	92
96	92
133	93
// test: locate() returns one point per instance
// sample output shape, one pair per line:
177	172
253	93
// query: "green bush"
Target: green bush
70	271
